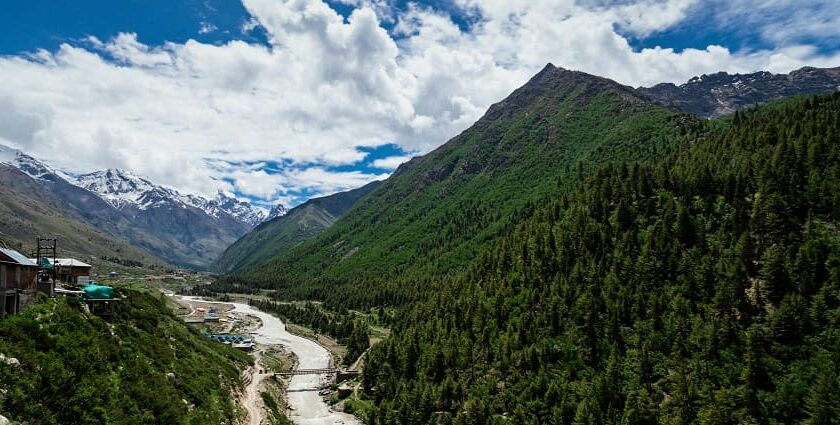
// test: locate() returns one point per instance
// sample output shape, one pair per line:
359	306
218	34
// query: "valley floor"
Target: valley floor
303	392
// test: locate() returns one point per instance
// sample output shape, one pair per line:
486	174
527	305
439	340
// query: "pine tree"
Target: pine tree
823	402
776	280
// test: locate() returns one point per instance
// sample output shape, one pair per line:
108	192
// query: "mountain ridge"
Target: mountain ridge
123	188
435	211
185	230
720	94
284	232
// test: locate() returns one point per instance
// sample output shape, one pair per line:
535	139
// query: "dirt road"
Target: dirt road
252	401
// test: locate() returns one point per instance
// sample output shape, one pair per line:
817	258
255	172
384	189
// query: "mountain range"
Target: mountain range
180	229
591	253
436	212
418	200
30	208
194	231
721	94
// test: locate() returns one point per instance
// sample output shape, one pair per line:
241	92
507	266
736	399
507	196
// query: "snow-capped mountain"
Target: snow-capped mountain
277	211
182	229
124	189
226	204
29	165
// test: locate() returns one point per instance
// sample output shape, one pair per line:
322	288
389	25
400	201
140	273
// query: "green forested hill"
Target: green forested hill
703	288
436	212
300	224
139	366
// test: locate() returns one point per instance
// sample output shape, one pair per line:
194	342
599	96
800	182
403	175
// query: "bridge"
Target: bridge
308	372
340	375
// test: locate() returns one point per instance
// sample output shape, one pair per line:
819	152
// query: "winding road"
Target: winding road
307	405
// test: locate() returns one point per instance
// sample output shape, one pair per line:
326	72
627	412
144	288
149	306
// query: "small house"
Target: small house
18	281
73	271
69	270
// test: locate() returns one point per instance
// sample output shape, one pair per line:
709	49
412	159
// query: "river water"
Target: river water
308	407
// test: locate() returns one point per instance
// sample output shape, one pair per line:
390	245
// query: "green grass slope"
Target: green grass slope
139	366
437	211
304	222
704	288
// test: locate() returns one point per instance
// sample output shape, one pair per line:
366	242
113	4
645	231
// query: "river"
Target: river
308	407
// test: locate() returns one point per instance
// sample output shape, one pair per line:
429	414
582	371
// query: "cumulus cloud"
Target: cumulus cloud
327	85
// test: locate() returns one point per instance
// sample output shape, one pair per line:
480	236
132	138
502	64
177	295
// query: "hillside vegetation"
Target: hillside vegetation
436	212
274	237
139	366
702	288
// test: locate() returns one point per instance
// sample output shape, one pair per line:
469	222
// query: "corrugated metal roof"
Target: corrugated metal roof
17	257
70	262
67	262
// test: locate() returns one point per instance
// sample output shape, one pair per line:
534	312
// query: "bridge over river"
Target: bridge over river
338	374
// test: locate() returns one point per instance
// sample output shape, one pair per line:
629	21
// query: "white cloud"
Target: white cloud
206	28
324	182
780	21
391	162
328	85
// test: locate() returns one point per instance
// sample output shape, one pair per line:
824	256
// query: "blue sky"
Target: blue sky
45	24
38	24
281	100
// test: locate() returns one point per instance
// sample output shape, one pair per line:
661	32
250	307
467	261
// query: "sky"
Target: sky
277	101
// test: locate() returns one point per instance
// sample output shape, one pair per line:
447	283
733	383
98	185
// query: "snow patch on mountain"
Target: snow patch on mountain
124	189
277	211
29	165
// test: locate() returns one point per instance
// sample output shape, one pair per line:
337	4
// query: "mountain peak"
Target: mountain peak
557	84
29	165
277	211
122	188
241	210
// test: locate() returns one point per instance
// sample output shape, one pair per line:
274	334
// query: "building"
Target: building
69	270
73	271
18	281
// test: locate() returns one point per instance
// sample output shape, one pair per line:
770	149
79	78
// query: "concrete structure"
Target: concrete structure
18	281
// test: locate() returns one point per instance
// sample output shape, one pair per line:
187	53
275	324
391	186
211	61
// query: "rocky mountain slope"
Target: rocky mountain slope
282	233
29	209
721	94
186	229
